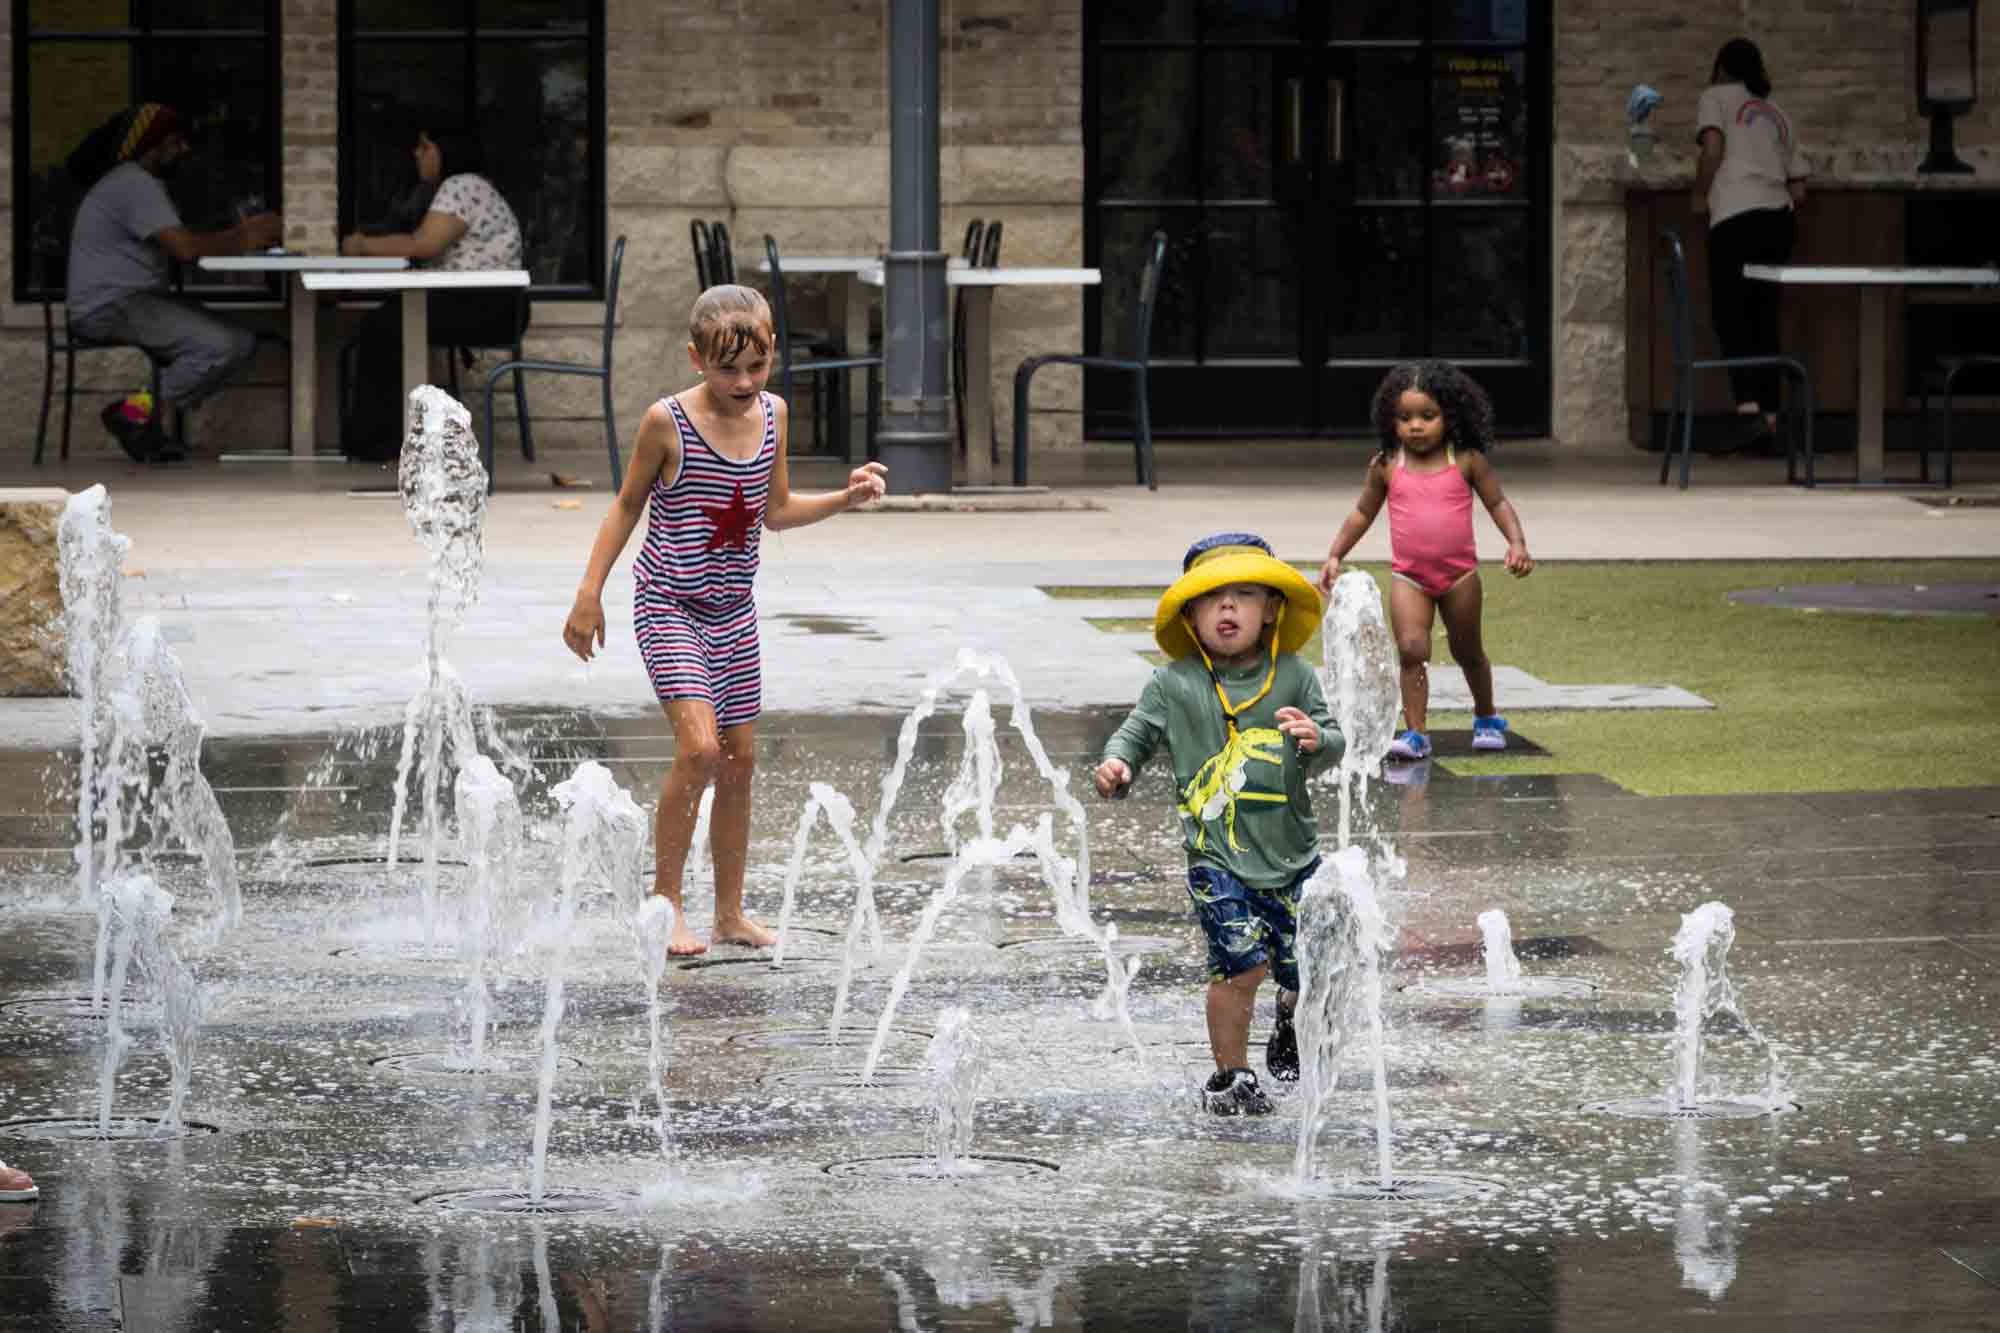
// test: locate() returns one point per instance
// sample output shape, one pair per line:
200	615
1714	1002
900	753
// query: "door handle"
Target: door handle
1336	120
1292	122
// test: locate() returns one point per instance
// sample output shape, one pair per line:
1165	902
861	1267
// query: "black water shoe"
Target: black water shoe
1281	1052
1235	1092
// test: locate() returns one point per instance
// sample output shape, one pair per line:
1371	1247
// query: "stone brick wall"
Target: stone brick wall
1843	70
774	118
770	118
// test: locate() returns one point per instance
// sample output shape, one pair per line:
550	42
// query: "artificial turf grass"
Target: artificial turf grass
1804	701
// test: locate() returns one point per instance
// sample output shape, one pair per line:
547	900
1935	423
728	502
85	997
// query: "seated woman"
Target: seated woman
467	225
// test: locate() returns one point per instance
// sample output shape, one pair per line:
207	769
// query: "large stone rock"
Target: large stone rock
31	637
1590	408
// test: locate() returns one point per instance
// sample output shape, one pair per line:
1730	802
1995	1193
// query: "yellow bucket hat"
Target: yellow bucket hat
1235	557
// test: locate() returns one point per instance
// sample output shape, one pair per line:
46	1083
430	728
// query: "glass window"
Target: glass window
1479	281
1250	301
85	62
1241	20
526	75
1480	20
1145	20
1146	112
1237	143
1125	246
1385	115
1375	305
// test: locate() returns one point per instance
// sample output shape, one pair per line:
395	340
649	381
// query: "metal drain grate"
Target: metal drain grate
1713	1108
460	1063
133	1009
922	1168
119	1129
1401	1189
518	1203
886	1076
1076	946
402	951
1530	988
851	1038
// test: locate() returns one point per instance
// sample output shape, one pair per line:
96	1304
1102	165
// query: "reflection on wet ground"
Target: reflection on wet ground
1868	949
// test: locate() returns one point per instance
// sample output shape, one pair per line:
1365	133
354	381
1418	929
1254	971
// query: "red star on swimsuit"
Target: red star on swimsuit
733	523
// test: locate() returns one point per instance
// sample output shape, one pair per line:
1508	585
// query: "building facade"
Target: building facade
1343	184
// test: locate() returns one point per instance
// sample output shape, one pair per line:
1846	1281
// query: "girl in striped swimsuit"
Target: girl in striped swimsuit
708	469
1435	424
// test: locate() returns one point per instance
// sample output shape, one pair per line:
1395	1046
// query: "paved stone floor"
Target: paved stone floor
1868	950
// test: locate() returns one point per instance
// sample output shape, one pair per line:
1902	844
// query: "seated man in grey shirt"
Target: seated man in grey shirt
126	233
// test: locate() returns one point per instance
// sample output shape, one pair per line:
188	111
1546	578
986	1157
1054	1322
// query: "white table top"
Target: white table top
1872	275
838	263
409	279
299	264
1006	277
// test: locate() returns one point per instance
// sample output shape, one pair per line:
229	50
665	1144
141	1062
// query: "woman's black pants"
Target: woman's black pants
1746	309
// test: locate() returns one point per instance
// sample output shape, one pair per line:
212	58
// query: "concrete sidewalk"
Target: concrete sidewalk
295	606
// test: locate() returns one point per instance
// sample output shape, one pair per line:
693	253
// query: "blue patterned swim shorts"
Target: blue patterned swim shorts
1248	927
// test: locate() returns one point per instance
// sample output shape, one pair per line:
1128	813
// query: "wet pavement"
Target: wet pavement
1868	950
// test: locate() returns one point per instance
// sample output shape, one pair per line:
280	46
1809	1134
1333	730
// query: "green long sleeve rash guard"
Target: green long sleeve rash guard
1274	839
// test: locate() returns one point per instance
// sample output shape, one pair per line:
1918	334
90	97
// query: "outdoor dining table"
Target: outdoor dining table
415	285
849	298
1873	282
976	287
304	323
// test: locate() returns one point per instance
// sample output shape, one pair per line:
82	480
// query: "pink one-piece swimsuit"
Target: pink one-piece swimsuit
1430	526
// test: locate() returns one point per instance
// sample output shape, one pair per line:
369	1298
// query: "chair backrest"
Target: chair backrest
1149	299
698	237
611	297
973	231
721	258
1680	307
784	348
989	250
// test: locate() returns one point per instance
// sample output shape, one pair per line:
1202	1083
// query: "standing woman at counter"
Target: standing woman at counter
1750	177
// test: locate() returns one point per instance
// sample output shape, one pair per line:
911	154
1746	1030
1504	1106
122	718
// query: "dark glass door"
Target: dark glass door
1345	186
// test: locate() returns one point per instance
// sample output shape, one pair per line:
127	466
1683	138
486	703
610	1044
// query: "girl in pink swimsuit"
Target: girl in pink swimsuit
1435	425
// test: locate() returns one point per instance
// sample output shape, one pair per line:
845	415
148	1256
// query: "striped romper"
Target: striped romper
692	608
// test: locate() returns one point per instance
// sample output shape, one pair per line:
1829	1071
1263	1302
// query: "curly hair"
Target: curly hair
1468	412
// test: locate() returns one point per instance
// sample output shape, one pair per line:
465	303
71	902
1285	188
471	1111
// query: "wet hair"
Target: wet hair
728	318
460	152
1468	412
1739	61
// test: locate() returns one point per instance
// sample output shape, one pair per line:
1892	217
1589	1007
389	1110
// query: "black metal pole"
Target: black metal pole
916	439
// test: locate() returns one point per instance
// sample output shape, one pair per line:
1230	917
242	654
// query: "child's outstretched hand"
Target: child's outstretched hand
1328	572
1519	563
865	483
583	632
1112	777
1299	727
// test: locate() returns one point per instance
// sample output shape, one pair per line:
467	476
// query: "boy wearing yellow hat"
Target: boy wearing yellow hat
1245	722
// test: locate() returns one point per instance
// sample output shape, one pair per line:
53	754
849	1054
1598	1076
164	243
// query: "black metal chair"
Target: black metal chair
837	366
1136	364
699	239
68	344
975	232
600	372
1944	380
1681	415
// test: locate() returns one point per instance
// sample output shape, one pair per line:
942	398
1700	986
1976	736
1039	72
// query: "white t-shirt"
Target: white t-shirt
1759	151
492	236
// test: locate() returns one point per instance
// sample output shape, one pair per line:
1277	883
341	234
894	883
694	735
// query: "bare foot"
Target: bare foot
742	930
683	941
